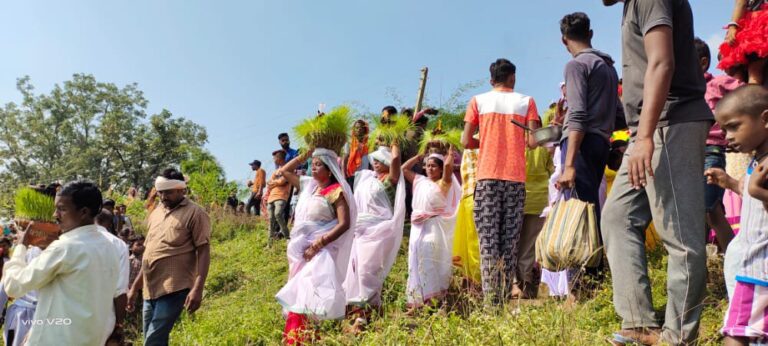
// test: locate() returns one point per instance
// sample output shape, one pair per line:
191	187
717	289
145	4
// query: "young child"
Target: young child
743	115
133	319
714	154
746	42
137	251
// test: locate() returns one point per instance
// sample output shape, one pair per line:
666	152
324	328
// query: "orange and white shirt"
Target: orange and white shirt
502	144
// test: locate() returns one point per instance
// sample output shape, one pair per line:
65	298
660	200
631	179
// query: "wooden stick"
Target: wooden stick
422	86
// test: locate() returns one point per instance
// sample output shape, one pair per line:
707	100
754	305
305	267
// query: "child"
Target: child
133	319
714	154
743	115
747	40
137	251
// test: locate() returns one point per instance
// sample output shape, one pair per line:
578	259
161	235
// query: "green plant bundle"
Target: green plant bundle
442	140
33	205
395	130
447	121
329	131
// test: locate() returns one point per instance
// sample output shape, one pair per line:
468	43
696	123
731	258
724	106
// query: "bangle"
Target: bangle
730	24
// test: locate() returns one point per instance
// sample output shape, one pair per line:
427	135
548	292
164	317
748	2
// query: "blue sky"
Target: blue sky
248	70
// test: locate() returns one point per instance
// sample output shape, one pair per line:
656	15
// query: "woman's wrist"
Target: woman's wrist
318	244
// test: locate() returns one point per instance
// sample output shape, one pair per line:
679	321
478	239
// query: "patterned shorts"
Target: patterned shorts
747	314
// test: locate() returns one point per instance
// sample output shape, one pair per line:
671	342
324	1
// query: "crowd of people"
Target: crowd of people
649	139
84	287
644	151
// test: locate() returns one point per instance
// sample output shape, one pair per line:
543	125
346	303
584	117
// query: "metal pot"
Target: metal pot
545	135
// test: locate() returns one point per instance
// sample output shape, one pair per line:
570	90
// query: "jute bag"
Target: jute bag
569	238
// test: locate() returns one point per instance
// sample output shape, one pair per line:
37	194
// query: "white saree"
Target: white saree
314	288
430	246
378	234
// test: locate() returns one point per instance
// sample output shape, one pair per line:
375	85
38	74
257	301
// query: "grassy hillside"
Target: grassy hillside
246	271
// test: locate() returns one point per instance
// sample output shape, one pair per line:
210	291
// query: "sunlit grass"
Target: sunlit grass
246	271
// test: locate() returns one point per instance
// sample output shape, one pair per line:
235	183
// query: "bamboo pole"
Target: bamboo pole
422	86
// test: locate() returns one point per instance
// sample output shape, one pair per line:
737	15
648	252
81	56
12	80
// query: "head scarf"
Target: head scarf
331	160
357	149
164	184
436	156
383	155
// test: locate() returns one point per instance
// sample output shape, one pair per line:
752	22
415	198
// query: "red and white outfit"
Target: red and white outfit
500	188
751	38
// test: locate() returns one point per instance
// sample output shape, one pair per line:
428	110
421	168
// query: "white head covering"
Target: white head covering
436	156
383	155
164	184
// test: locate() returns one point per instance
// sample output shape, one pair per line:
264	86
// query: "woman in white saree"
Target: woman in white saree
318	252
435	202
380	199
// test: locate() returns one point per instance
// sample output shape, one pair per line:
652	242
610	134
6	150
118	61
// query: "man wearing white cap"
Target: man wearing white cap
176	259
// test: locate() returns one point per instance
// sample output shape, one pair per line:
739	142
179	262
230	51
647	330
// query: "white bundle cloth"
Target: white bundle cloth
383	155
378	235
430	258
314	288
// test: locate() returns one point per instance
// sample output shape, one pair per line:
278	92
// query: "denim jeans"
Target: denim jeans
160	315
714	157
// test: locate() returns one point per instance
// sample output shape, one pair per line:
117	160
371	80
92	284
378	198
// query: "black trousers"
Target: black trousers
254	202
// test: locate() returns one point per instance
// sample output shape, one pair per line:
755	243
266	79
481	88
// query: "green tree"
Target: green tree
86	129
206	178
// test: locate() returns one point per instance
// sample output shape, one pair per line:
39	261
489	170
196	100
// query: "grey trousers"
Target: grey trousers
278	226
674	200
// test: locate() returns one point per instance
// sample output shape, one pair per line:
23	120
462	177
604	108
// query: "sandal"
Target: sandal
619	340
635	337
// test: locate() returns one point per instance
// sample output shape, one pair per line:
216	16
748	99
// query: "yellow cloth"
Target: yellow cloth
538	168
466	246
652	239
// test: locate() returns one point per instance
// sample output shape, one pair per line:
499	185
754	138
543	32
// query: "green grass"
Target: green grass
246	271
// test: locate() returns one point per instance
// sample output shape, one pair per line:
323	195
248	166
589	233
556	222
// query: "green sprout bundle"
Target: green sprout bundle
390	131
447	121
329	131
441	139
33	205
